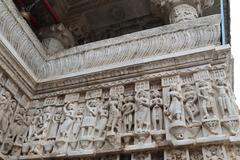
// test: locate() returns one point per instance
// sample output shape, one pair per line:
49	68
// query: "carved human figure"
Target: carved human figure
224	98
14	105
55	122
5	111
175	108
114	114
189	100
19	126
33	125
47	116
127	112
232	97
205	95
89	119
38	129
67	120
102	119
142	111
156	104
41	123
77	123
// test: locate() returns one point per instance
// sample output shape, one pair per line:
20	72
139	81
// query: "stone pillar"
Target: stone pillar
182	10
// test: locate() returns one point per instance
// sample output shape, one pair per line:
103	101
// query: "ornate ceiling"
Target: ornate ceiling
93	20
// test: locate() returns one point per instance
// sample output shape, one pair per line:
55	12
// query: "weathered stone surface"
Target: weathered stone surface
163	93
203	32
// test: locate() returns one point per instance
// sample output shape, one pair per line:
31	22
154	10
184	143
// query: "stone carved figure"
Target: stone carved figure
78	118
142	111
16	133
43	124
102	119
224	98
128	113
19	126
114	114
205	95
13	106
37	131
156	104
55	122
232	97
67	120
89	119
6	112
189	100
33	125
175	108
174	112
46	119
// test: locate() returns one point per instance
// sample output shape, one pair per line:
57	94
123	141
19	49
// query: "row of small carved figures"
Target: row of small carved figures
132	112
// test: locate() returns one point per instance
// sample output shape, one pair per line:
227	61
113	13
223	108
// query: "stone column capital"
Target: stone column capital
172	3
179	10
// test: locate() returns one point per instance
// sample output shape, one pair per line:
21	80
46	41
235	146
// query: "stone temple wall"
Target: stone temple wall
187	112
13	104
161	103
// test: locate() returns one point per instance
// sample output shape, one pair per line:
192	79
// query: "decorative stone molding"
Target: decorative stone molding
202	56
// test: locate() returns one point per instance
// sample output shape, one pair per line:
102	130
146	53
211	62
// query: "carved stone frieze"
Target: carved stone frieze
135	97
183	109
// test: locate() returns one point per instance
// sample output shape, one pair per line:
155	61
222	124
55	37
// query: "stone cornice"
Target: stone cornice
16	70
149	68
111	75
